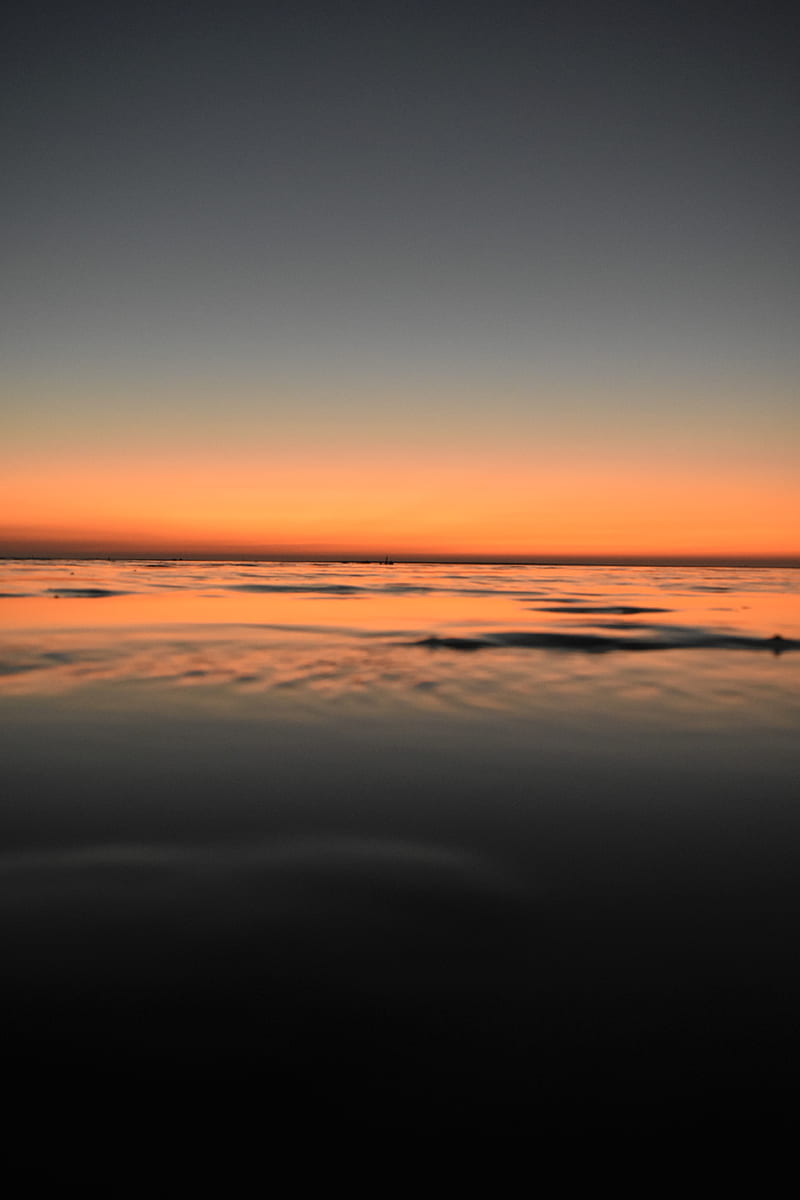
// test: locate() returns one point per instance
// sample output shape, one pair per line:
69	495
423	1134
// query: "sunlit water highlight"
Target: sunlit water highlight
447	843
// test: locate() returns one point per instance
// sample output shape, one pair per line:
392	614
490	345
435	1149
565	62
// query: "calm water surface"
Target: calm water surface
412	845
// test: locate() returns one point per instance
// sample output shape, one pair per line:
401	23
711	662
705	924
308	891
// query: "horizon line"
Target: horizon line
788	561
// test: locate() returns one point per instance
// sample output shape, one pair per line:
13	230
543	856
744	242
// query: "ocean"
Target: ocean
404	845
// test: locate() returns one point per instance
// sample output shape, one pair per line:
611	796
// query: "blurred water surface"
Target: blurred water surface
434	844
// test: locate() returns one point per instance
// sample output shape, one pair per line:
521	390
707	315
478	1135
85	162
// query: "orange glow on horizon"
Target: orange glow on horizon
400	506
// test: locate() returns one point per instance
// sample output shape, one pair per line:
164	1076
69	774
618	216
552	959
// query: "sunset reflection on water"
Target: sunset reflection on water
423	834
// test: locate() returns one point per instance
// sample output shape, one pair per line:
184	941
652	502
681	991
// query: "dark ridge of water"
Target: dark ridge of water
334	589
85	593
601	644
12	668
619	610
392	589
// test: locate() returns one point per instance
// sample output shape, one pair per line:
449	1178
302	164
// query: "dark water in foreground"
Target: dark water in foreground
417	846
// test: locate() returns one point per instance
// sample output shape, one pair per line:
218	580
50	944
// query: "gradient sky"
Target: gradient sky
421	279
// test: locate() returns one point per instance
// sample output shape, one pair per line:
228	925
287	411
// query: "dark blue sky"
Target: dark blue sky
534	179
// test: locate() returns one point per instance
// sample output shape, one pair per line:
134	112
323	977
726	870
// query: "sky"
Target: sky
430	280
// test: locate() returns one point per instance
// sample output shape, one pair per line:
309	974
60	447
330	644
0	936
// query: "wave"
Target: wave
327	589
592	643
619	610
88	593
